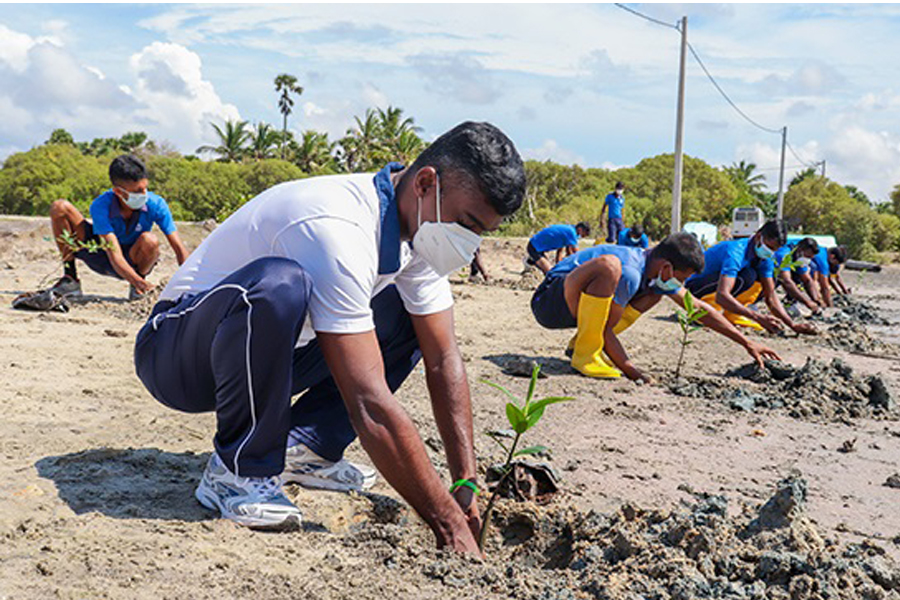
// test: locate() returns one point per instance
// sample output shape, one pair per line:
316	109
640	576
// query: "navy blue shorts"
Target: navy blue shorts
533	254
98	262
548	304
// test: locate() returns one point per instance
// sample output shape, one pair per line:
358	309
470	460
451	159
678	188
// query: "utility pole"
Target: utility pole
679	135
780	214
823	168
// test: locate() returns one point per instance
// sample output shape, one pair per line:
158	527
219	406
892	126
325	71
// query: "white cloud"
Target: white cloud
811	79
867	159
551	150
178	103
14	47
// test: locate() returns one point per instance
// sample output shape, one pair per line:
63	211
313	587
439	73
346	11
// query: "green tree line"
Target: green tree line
247	161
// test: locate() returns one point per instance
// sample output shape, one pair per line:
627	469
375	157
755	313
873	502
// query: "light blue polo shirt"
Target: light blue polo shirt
728	258
106	217
633	260
554	237
819	263
625	239
616	204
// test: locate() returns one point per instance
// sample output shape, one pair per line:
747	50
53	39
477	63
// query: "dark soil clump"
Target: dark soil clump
815	391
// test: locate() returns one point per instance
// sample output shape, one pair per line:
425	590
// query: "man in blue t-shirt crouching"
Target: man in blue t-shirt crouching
121	220
562	238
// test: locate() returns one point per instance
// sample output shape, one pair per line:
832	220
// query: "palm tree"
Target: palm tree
741	174
393	125
314	152
231	141
286	85
361	144
408	147
262	140
803	175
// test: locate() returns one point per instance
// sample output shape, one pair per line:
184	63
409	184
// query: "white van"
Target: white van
746	220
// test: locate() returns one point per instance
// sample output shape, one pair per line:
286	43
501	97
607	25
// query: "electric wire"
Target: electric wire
797	156
643	16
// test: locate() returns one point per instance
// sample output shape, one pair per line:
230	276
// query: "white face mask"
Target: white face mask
803	261
764	252
135	200
446	247
666	287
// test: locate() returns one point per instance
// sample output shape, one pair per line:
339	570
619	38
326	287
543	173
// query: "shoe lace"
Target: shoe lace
264	487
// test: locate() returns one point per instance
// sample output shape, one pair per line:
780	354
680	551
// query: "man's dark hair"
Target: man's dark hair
481	156
806	244
126	168
839	253
681	249
774	229
637	230
620	185
585	227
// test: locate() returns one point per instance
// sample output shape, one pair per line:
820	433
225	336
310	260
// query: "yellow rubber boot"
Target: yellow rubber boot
629	316
570	350
587	357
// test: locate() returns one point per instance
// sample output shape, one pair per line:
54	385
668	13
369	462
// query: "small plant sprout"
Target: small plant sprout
788	262
521	419
75	245
687	320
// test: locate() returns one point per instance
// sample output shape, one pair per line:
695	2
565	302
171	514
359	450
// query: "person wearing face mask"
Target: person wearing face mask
737	271
826	269
792	262
123	217
334	287
615	203
602	290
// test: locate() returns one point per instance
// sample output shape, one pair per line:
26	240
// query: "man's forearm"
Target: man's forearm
718	323
730	303
121	266
777	309
794	291
452	406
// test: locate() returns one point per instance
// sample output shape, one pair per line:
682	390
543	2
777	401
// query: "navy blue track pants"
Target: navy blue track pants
231	350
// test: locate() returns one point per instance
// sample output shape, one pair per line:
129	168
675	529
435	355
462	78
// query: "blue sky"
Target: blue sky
575	83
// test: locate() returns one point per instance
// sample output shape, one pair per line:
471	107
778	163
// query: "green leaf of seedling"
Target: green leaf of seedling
689	302
516	418
535	411
531	450
535	370
501	388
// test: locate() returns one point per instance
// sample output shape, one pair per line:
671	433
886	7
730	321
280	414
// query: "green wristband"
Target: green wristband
465	483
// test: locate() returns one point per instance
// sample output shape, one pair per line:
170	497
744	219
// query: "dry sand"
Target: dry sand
97	478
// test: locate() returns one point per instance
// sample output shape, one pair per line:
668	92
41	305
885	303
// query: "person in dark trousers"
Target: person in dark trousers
615	204
122	218
792	263
334	288
477	266
826	268
590	291
562	238
634	237
737	271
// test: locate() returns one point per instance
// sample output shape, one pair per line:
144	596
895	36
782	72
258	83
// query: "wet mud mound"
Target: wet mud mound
855	310
855	338
696	551
815	391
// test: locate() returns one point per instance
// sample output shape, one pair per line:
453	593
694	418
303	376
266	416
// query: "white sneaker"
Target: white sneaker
256	502
303	466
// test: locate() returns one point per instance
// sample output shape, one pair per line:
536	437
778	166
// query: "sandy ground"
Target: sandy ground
97	478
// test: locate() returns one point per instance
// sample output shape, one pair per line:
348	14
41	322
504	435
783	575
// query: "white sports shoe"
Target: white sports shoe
255	502
303	466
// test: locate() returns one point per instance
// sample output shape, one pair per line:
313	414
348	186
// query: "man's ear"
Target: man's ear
425	179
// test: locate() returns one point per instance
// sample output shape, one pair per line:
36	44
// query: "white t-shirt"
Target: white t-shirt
331	226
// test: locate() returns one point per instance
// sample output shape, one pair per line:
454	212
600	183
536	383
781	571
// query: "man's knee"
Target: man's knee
61	207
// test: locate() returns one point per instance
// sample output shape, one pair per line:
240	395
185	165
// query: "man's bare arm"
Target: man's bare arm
181	252
121	266
389	436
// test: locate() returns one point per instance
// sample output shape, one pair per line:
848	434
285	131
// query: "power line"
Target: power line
797	156
643	16
724	95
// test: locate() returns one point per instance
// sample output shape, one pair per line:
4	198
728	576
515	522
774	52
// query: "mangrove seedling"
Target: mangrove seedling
75	245
521	419
687	320
788	262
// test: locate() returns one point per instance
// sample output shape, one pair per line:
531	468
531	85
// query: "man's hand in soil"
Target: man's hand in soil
142	285
465	497
769	322
760	353
636	375
805	328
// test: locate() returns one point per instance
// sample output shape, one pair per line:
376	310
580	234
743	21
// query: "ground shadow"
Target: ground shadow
145	483
519	365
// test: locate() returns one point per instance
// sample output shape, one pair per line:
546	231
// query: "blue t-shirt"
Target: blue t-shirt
625	239
784	251
820	264
616	204
728	258
633	260
554	237
107	218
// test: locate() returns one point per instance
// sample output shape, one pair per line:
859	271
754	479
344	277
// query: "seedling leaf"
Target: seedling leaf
531	450
501	388
535	370
516	418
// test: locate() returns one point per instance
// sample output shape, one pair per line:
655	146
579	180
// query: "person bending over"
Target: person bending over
592	289
122	217
562	238
792	263
634	237
826	268
335	287
735	273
